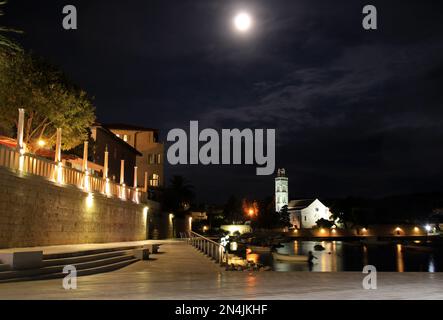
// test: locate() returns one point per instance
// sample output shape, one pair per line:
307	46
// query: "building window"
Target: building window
159	158
154	182
125	137
150	159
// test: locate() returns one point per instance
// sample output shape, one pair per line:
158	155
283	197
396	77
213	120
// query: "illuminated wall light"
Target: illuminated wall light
416	229
145	213
334	231
123	192
428	228
135	197
90	200
86	181
21	162
107	188
322	230
59	173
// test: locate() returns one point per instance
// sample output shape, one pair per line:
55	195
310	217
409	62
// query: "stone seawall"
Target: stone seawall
38	212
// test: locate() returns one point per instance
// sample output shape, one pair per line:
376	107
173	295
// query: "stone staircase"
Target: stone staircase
86	263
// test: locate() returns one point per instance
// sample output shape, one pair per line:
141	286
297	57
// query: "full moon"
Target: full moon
242	22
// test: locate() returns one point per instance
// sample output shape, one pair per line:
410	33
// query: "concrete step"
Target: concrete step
4	267
82	258
122	256
63	255
84	272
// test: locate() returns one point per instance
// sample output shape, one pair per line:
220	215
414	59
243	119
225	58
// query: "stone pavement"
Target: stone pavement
181	272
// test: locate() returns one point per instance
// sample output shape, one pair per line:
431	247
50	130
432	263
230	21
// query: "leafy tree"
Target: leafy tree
323	223
5	42
178	195
267	218
285	220
49	100
233	210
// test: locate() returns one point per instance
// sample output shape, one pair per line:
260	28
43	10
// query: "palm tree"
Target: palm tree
4	41
179	195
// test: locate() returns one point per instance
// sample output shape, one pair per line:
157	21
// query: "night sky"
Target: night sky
357	112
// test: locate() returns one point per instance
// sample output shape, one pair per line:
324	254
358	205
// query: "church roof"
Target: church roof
300	204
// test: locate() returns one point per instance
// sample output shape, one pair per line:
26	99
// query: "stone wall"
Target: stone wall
36	212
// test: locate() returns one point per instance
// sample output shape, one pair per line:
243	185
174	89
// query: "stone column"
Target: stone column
135	176
122	172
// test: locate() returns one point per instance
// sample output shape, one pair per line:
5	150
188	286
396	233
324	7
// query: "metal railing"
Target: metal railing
209	247
30	164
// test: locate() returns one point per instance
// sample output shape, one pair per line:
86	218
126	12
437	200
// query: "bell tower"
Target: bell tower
281	190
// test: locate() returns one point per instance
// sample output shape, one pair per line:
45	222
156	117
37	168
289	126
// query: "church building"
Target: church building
304	213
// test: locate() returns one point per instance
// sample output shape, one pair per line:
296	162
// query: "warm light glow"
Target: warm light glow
364	230
334	231
135	197
398	229
21	162
322	230
41	143
107	188
59	173
205	228
242	22
145	212
416	229
251	212
86	181
90	200
123	192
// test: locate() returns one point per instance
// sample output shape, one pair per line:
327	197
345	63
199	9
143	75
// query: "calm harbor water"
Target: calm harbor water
352	256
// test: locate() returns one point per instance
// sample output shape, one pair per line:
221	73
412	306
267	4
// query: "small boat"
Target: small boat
287	257
258	249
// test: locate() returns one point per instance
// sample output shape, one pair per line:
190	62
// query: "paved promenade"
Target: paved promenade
181	272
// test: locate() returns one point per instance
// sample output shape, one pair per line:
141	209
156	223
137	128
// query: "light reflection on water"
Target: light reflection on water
352	256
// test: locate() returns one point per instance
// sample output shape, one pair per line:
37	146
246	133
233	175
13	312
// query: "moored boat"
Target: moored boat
258	249
289	258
